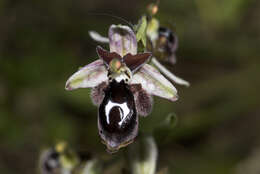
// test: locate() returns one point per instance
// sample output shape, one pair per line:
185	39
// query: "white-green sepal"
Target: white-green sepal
88	77
154	83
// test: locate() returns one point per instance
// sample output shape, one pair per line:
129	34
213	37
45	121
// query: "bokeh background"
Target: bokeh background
43	42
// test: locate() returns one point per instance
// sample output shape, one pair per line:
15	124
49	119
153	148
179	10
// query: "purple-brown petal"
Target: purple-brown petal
134	62
105	55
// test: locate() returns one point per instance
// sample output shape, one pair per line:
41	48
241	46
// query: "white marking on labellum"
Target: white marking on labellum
123	106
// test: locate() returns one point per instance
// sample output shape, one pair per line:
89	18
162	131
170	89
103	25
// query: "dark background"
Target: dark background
43	42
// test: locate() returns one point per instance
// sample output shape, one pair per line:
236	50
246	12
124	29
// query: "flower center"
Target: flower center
118	71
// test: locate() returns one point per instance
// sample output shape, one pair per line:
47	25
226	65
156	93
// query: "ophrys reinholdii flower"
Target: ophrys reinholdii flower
122	84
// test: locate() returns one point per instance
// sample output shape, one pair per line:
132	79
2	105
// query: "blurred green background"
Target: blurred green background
43	42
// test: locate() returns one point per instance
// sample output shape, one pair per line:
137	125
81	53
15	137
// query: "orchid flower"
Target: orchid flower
122	85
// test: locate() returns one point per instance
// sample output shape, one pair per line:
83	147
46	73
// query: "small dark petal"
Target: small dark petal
134	62
105	55
144	103
97	93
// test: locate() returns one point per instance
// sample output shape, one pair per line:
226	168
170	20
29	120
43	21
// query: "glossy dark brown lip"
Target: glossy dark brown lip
117	129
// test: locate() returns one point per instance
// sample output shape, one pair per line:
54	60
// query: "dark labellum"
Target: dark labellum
117	119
